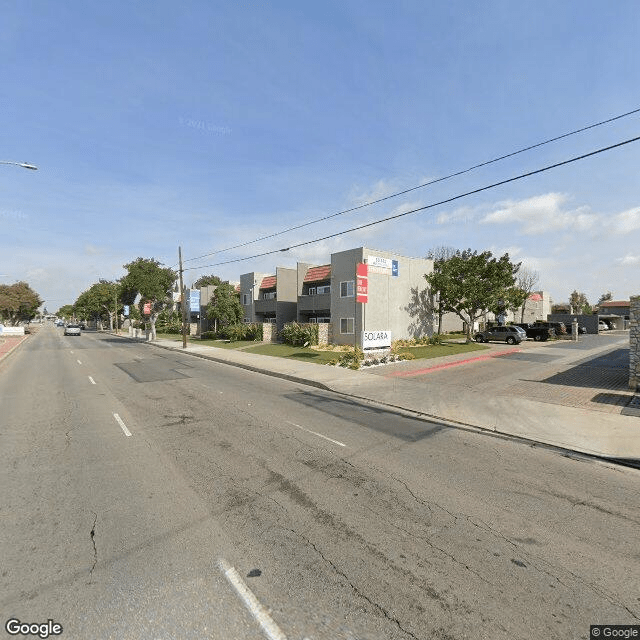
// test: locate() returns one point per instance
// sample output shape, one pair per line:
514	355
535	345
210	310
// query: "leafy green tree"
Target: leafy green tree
18	302
225	309
440	255
66	311
99	301
471	283
205	281
605	297
152	282
578	302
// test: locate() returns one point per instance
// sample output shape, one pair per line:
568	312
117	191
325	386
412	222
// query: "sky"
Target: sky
207	125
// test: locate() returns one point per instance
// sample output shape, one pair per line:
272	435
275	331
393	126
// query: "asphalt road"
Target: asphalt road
244	506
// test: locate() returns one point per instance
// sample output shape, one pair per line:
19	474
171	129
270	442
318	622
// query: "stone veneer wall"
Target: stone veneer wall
634	343
324	332
269	332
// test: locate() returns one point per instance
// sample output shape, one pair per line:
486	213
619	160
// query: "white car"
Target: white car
603	326
72	330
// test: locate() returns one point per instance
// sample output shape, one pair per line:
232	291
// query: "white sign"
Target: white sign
376	339
11	331
376	261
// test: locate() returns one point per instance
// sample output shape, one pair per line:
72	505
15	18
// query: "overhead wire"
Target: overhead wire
420	186
429	206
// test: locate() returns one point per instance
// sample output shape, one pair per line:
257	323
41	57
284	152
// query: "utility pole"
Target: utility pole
115	310
182	303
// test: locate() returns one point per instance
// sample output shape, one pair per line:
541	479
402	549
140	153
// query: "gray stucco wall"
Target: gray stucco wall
634	343
396	303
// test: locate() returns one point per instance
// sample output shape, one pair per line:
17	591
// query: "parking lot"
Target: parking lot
592	373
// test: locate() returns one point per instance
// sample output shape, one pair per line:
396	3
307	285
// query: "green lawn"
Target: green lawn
294	353
223	344
440	350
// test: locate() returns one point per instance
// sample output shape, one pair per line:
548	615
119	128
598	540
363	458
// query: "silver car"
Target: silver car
510	334
72	330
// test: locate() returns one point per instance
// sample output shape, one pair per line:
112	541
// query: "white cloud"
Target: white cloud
541	214
629	260
627	221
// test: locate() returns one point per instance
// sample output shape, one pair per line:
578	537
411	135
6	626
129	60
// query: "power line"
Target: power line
420	186
429	206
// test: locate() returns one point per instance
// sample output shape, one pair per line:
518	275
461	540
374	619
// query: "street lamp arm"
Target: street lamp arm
24	165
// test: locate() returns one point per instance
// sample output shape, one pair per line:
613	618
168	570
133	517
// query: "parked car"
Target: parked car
538	332
60	323
510	334
559	327
603	326
72	330
581	329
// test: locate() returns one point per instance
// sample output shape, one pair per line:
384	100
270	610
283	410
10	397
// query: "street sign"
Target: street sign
376	339
362	283
194	300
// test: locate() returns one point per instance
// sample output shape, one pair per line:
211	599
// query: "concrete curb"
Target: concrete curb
601	436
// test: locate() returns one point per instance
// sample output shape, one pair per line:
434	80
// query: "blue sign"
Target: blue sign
394	267
194	300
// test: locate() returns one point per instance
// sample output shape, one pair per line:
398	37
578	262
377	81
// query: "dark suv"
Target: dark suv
510	334
540	333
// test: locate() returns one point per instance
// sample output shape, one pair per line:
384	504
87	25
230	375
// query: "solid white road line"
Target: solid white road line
79	362
123	426
92	380
317	434
252	603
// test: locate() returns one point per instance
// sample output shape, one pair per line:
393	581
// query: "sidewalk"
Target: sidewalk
9	343
560	423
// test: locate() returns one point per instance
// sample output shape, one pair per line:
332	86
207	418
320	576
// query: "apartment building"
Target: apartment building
394	287
270	298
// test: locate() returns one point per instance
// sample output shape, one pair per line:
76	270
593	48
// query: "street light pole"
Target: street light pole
182	303
24	165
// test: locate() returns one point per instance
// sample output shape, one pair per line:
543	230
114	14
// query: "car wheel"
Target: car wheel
479	339
537	337
511	340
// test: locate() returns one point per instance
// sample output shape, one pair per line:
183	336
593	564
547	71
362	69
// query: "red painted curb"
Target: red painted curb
447	365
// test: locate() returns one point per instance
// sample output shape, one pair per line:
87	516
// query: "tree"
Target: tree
526	282
439	255
605	297
153	283
578	302
66	311
470	283
225	309
98	301
18	302
204	281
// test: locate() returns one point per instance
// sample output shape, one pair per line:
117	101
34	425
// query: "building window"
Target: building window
325	289
324	320
346	325
269	295
246	299
347	289
312	291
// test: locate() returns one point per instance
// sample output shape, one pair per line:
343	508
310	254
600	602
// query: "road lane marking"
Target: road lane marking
252	603
92	380
79	362
317	434
123	426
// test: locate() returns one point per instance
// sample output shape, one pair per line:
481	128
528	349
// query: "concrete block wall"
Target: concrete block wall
634	343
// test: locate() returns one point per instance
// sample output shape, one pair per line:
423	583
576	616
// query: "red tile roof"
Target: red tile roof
615	303
268	283
536	297
315	274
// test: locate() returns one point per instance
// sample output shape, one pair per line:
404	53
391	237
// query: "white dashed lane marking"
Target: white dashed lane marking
91	380
123	426
252	603
341	444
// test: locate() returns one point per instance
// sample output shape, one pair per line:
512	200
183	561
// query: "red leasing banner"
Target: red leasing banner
362	283
146	309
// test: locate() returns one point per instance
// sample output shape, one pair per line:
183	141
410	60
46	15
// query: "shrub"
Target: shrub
352	359
298	335
208	335
236	332
405	355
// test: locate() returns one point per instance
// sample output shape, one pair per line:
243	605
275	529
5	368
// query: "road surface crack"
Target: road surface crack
92	533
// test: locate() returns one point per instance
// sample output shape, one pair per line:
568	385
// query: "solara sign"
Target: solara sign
376	339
